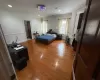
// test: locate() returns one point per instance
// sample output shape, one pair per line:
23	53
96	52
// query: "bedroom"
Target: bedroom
54	25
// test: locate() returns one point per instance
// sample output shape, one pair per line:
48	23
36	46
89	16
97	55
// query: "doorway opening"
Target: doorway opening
80	21
28	29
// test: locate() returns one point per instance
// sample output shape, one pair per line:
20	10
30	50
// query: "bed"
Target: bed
46	39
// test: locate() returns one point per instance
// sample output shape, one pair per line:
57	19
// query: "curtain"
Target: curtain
44	27
60	24
63	26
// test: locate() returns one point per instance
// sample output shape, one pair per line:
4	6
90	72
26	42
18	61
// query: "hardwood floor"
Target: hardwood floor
47	62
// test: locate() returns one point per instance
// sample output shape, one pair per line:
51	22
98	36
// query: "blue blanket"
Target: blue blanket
46	37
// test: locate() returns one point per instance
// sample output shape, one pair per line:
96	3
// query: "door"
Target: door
28	29
88	52
6	66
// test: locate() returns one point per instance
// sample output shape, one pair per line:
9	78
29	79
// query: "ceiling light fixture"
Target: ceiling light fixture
41	7
10	6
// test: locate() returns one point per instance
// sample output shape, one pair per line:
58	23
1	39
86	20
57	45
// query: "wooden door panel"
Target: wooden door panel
81	72
89	47
3	72
98	77
90	56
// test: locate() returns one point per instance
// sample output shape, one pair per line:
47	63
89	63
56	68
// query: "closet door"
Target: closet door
89	47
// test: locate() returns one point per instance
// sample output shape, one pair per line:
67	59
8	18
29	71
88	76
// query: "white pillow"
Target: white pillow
49	34
54	35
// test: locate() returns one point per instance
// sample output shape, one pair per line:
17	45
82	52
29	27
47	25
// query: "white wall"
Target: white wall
13	25
74	21
36	25
53	21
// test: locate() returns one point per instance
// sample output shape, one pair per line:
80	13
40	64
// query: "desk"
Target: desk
19	56
23	52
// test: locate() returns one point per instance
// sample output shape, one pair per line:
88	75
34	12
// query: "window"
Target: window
44	27
63	26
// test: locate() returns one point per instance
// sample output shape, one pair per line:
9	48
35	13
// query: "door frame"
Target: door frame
10	70
28	29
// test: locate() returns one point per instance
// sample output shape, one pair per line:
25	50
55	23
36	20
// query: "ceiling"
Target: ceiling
29	6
